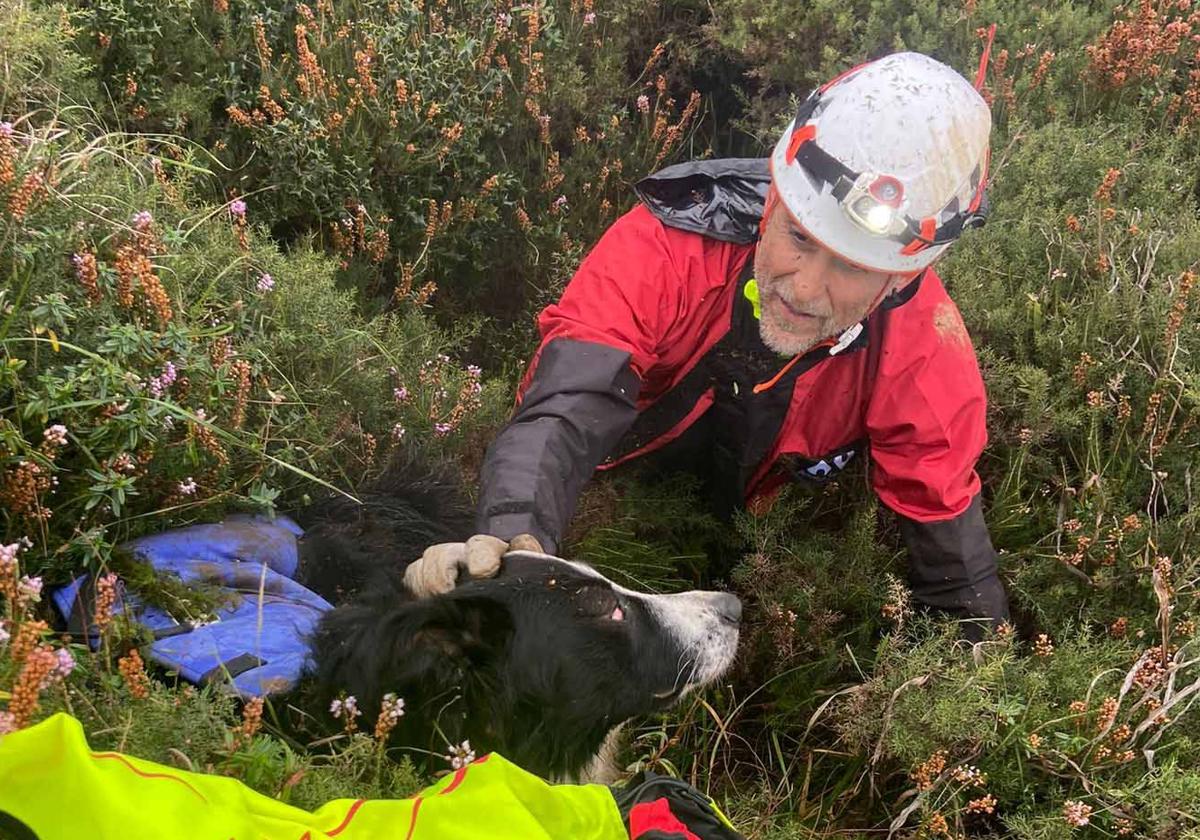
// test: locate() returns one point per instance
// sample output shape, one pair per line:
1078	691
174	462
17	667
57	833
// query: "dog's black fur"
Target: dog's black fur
531	663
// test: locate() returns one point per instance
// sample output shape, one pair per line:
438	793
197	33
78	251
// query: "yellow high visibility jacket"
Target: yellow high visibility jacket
53	787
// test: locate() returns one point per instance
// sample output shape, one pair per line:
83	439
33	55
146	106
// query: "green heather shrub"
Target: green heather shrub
247	250
163	360
465	151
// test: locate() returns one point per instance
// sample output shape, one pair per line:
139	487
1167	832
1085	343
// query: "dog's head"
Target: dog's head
538	663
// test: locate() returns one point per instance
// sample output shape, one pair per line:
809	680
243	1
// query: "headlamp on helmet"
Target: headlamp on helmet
876	203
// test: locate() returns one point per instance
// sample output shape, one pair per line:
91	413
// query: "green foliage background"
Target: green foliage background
420	177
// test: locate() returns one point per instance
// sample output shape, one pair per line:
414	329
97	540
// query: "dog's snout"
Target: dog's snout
729	607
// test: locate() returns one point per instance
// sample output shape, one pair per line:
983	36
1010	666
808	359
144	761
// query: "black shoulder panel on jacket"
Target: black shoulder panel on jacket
721	198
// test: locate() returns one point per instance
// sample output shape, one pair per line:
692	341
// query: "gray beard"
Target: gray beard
783	342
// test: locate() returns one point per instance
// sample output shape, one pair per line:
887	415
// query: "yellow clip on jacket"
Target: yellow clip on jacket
53	787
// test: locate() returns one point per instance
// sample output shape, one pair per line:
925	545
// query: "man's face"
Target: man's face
807	292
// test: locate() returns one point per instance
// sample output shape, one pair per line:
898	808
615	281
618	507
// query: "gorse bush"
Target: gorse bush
248	249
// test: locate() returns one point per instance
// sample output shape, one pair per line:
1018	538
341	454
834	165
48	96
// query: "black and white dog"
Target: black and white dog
540	663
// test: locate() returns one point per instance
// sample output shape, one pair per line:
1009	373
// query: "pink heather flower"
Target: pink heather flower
474	371
8	723
560	203
187	487
265	284
503	21
442	429
1076	813
398	432
460	756
56	434
392	708
643	104
142	220
8	558
29	589
6	130
66	663
237	208
443	358
347	708
589	18
161	383
401	394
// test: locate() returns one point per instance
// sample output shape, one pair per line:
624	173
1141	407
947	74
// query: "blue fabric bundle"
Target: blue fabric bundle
258	640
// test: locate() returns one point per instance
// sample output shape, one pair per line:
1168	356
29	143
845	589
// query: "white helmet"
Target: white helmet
886	164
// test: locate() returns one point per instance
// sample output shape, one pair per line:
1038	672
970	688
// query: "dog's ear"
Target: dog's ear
457	629
424	650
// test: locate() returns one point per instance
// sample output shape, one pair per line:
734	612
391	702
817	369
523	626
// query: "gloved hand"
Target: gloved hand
436	572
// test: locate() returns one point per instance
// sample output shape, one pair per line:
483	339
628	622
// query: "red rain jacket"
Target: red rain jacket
653	349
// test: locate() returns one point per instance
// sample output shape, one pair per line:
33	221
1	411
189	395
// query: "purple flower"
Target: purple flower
265	284
56	435
237	208
161	383
560	203
187	487
474	371
442	429
142	220
66	663
589	18
29	589
643	104
347	708
398	432
6	130
8	556
401	394
392	708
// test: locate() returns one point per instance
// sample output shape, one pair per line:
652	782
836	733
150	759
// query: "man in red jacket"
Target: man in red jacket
763	321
